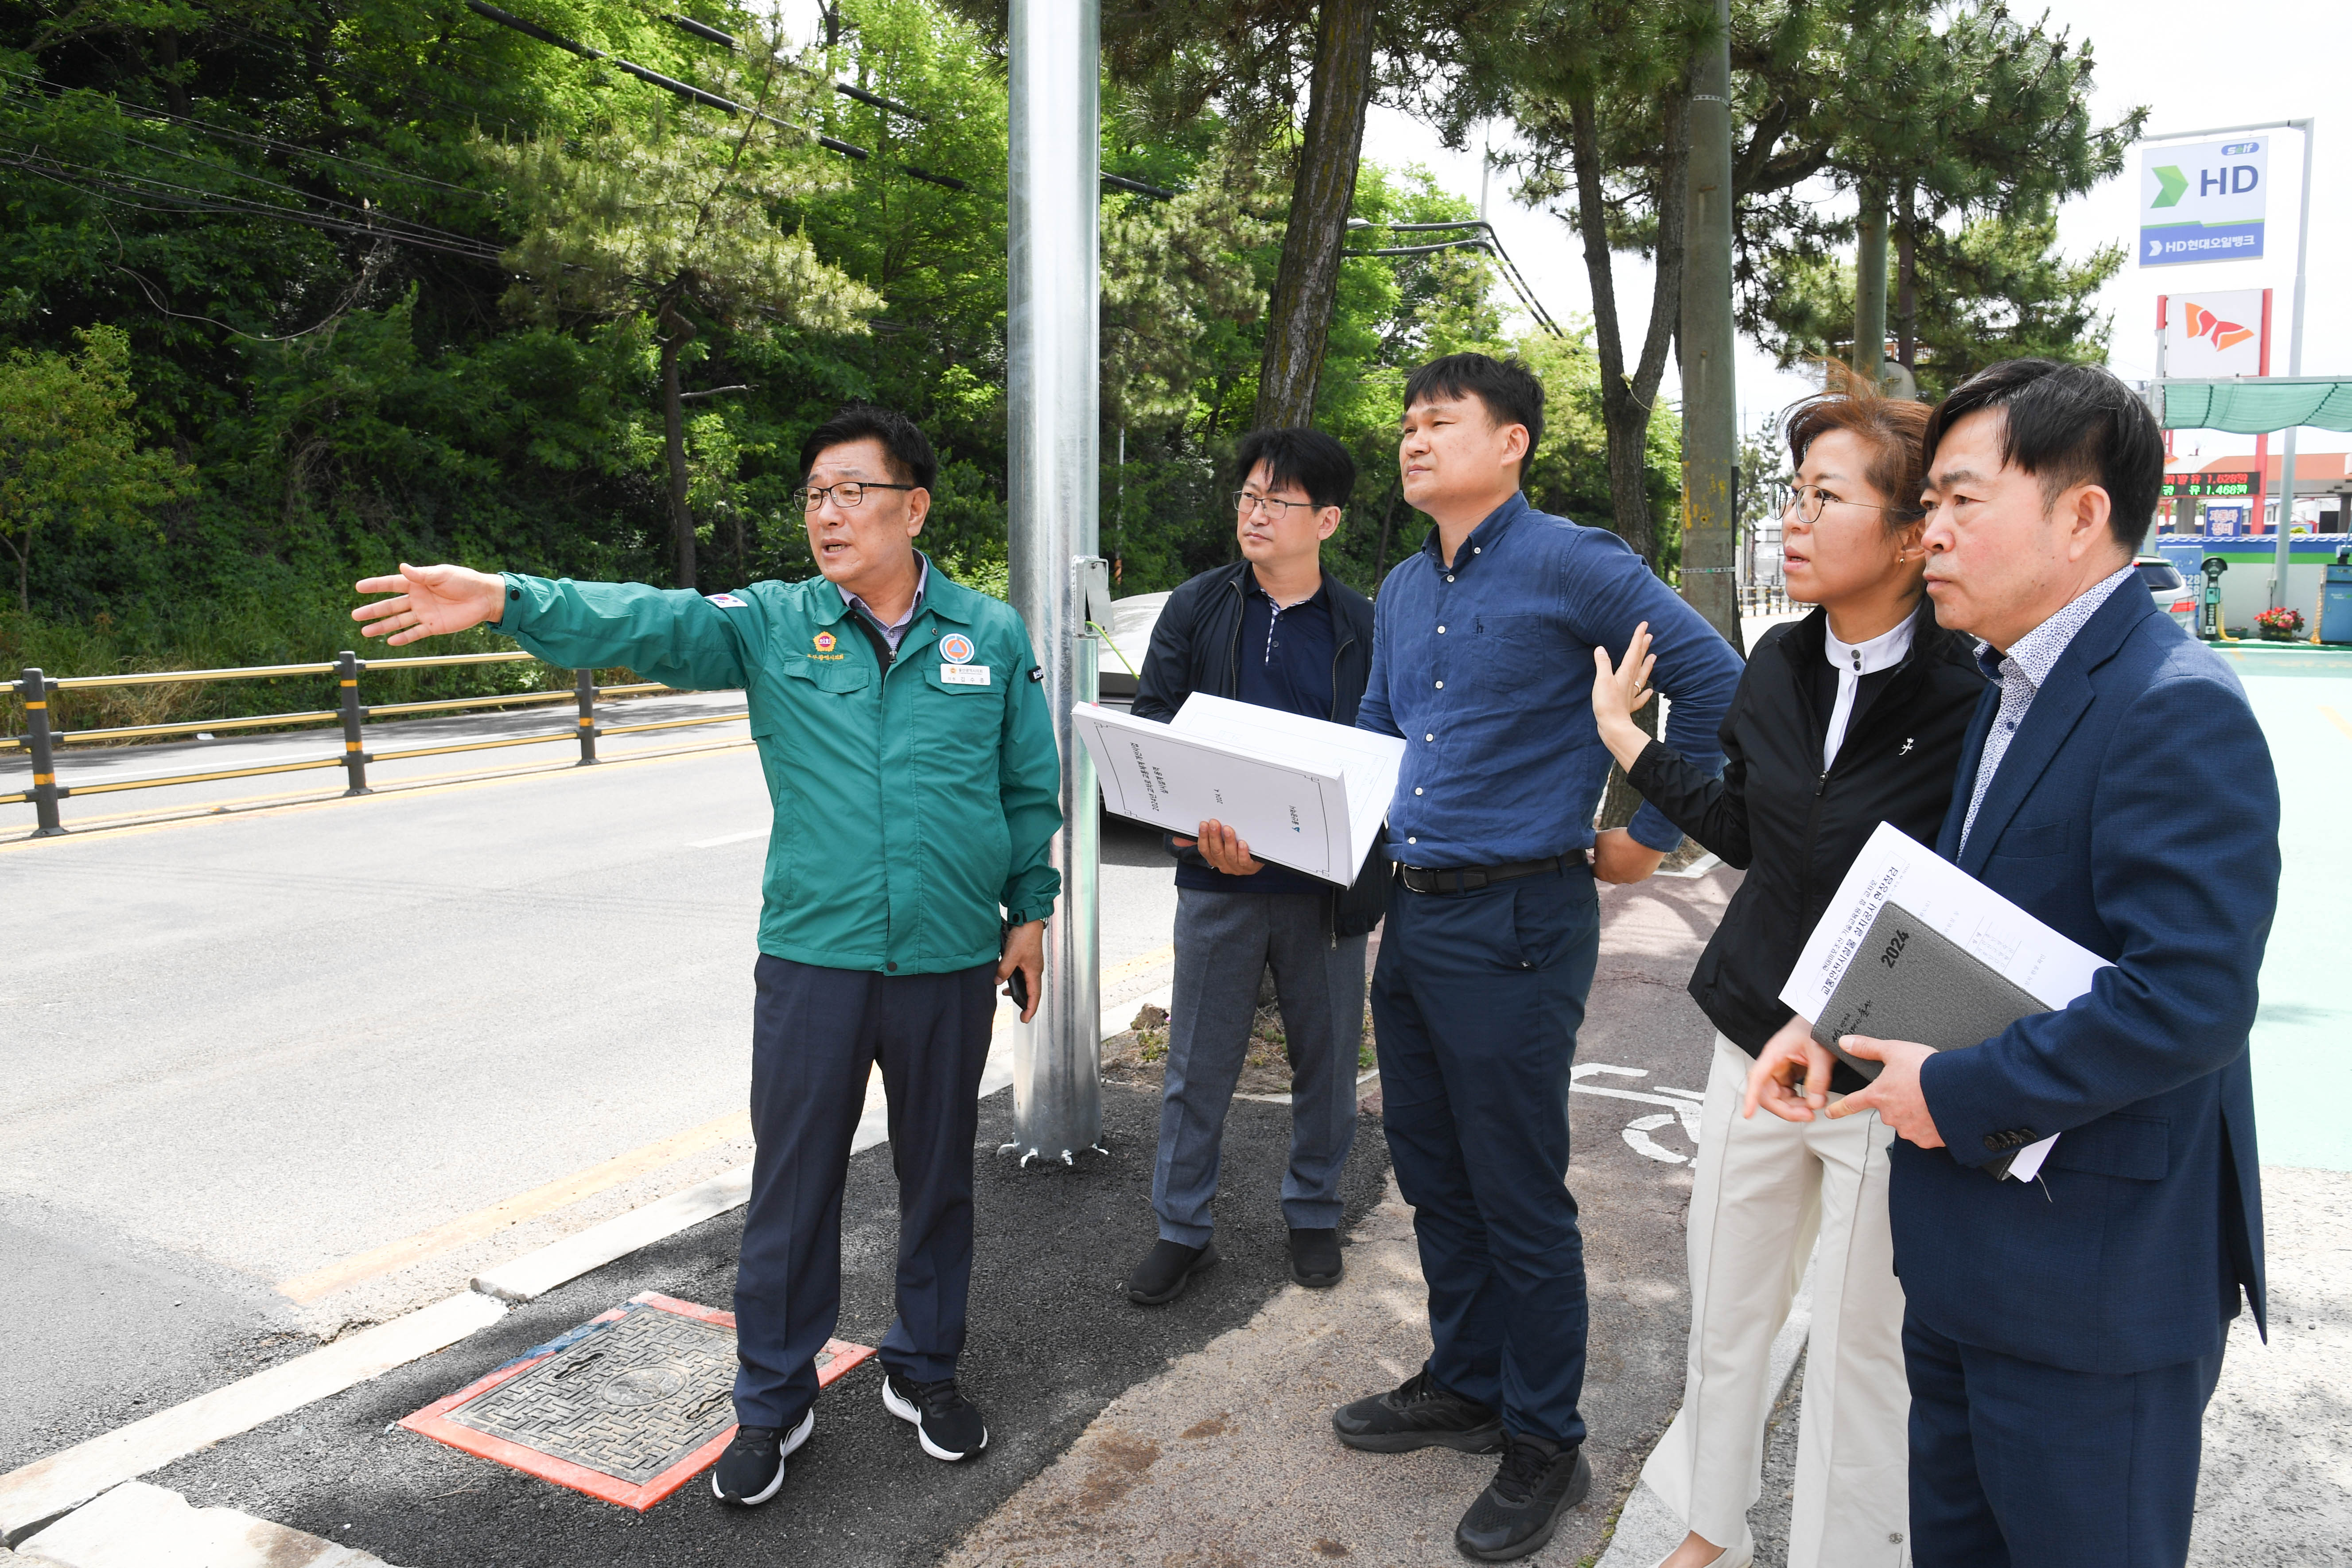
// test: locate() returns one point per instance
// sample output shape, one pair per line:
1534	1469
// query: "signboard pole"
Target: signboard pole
2294	367
2259	497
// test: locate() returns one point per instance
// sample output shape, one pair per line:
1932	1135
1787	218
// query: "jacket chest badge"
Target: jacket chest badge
823	641
956	648
1906	746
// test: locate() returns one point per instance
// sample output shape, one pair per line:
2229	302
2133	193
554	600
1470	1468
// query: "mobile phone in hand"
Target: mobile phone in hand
1018	986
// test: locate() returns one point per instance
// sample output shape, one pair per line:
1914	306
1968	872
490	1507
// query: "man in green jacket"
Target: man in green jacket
911	762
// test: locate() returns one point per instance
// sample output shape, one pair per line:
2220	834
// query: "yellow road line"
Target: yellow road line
556	1194
489	1222
2337	720
83	833
1138	964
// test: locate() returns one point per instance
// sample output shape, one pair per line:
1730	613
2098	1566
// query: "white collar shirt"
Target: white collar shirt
1853	661
895	632
2019	673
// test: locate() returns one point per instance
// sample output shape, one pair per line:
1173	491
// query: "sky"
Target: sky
2193	67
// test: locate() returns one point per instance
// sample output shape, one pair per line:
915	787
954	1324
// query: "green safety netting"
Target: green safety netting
2256	406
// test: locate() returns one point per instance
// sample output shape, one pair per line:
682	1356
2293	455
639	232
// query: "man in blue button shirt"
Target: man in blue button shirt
1276	630
1484	639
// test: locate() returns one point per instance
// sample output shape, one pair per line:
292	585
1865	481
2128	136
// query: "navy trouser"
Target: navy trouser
1476	999
2015	1464
815	1036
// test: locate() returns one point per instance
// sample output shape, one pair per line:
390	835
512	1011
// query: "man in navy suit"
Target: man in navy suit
2063	1334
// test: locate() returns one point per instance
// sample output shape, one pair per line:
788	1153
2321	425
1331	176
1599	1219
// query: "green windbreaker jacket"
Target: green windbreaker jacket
911	802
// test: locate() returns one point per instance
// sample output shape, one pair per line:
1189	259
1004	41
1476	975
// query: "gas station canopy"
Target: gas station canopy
2254	406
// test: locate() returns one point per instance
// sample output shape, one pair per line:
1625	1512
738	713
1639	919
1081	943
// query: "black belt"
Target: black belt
1471	879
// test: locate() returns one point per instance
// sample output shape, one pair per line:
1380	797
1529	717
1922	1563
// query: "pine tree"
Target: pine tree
676	214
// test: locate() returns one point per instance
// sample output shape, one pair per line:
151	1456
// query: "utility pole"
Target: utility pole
1870	287
1710	405
1054	474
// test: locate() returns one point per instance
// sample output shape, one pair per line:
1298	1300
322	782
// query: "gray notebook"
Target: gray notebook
1910	981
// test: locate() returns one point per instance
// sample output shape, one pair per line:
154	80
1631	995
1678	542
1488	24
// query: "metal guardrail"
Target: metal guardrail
42	740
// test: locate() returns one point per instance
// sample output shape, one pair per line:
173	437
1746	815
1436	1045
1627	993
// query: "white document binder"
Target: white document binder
1300	792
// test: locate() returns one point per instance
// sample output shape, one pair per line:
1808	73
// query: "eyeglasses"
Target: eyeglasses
846	494
1247	501
1808	500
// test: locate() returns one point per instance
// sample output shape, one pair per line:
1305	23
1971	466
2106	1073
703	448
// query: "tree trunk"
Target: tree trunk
167	64
677	332
1870	285
1387	526
1711	406
1626	401
1299	320
1906	286
24	555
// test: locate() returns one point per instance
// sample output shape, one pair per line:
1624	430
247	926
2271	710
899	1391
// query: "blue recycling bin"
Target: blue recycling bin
2335	604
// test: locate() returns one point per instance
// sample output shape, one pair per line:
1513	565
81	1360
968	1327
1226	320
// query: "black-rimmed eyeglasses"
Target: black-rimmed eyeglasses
846	494
1247	501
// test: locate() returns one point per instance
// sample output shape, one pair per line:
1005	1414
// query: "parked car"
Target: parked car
2173	593
1131	622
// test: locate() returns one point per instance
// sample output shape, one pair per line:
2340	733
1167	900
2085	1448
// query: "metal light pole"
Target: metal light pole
1052	473
1711	406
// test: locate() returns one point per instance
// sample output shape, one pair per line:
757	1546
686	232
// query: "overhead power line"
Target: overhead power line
710	34
1488	241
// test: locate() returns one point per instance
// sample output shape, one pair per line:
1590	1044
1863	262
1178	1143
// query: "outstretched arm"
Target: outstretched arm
677	637
429	602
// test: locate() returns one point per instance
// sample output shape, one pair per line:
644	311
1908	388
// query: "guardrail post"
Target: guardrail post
34	688
583	683
355	759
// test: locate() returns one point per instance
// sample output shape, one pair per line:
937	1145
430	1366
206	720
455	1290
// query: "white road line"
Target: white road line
729	838
44	1489
139	1526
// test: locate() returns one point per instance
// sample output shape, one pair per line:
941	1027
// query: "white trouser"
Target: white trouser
1762	1191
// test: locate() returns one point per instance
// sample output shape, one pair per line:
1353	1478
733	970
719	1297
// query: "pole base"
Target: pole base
51	832
357	789
1047	1160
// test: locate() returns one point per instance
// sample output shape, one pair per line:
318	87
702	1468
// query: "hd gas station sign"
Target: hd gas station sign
2202	201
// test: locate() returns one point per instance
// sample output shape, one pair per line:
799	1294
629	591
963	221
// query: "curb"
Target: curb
39	1494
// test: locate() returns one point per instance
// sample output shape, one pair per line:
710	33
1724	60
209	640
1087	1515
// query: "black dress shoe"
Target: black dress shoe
1315	1259
947	1424
1422	1414
1165	1270
1516	1515
752	1470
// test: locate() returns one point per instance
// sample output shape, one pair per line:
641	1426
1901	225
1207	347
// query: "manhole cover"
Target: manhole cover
624	1407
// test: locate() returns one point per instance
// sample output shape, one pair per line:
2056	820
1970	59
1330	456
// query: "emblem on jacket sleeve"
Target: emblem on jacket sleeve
956	648
727	601
823	641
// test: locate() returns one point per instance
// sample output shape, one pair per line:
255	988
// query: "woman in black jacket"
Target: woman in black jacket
1853	716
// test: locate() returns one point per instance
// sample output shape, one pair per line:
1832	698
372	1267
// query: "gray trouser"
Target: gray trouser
1225	942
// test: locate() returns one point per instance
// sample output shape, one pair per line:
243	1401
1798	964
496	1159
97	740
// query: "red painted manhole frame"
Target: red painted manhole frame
431	1421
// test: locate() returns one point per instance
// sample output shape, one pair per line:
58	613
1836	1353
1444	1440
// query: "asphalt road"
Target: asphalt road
268	1049
1052	1341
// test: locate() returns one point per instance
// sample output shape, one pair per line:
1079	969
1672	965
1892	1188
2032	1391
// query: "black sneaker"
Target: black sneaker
752	1470
1166	1269
946	1424
1423	1414
1516	1515
1315	1259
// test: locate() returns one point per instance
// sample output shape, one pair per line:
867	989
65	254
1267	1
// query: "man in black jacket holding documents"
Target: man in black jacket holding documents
1275	630
2063	1335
